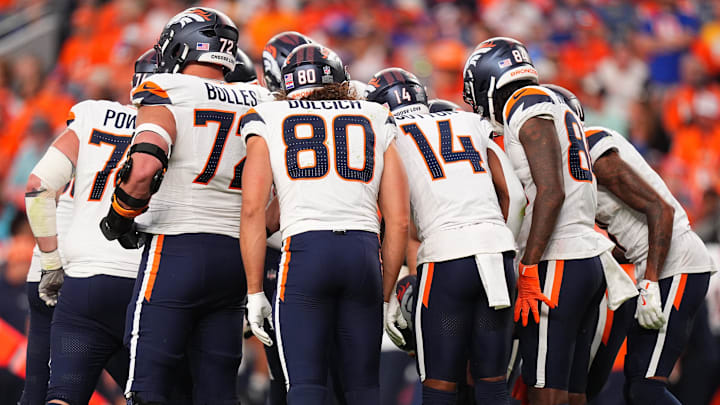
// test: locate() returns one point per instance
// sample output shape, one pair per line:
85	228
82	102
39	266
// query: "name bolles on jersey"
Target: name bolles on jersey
231	96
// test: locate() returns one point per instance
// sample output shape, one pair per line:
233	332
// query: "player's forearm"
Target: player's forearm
393	254
545	212
252	247
542	149
144	168
660	227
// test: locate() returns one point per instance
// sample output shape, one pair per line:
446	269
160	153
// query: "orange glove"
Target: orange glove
529	293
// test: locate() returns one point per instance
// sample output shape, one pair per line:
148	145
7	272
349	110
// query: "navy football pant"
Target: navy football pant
330	288
456	325
87	331
37	371
610	333
188	300
563	337
653	353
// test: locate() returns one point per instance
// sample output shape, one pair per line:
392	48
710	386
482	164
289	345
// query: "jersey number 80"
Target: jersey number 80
316	144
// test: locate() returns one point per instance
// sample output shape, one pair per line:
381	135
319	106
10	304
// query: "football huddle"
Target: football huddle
319	213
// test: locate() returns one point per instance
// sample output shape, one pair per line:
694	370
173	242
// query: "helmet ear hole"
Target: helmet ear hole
175	51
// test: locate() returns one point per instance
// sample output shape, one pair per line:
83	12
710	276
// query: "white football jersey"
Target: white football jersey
327	159
202	189
63	216
104	130
629	227
574	236
452	196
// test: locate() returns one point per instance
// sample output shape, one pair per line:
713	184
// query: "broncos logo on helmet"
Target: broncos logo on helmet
276	51
493	64
198	34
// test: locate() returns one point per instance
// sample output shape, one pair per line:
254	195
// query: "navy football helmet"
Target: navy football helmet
437	105
276	51
568	98
311	66
198	34
145	65
397	88
406	291
493	64
244	69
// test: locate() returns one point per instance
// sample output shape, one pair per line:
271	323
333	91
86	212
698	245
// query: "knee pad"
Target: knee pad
431	396
649	391
491	392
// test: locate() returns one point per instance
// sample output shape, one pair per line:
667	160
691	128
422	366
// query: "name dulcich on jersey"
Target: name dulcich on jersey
201	191
337	148
687	253
574	236
449	180
104	130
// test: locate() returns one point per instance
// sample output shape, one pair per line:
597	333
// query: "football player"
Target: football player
275	53
37	371
189	294
458	200
333	161
244	70
672	266
561	279
89	320
437	105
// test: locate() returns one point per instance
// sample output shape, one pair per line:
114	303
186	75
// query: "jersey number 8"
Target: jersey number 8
316	145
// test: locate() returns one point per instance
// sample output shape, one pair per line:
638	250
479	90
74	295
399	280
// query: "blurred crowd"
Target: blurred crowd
649	69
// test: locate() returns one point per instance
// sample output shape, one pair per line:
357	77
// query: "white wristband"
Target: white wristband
50	261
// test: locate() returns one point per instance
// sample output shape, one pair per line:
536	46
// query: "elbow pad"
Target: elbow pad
54	171
149	149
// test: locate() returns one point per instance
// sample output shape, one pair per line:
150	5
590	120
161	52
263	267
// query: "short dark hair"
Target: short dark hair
333	91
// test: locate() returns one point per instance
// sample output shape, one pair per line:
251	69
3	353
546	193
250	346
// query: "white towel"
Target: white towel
620	286
491	268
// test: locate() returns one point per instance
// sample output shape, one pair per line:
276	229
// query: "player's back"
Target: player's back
104	130
327	159
628	226
201	191
574	236
452	196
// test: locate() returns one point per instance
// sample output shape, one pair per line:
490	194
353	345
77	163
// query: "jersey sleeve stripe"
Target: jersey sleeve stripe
525	97
149	93
249	117
70	118
594	136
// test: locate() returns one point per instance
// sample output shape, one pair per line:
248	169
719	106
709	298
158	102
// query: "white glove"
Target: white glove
394	321
258	310
649	308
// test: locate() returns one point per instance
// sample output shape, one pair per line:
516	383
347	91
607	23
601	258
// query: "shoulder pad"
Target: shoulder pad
595	134
525	98
152	91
